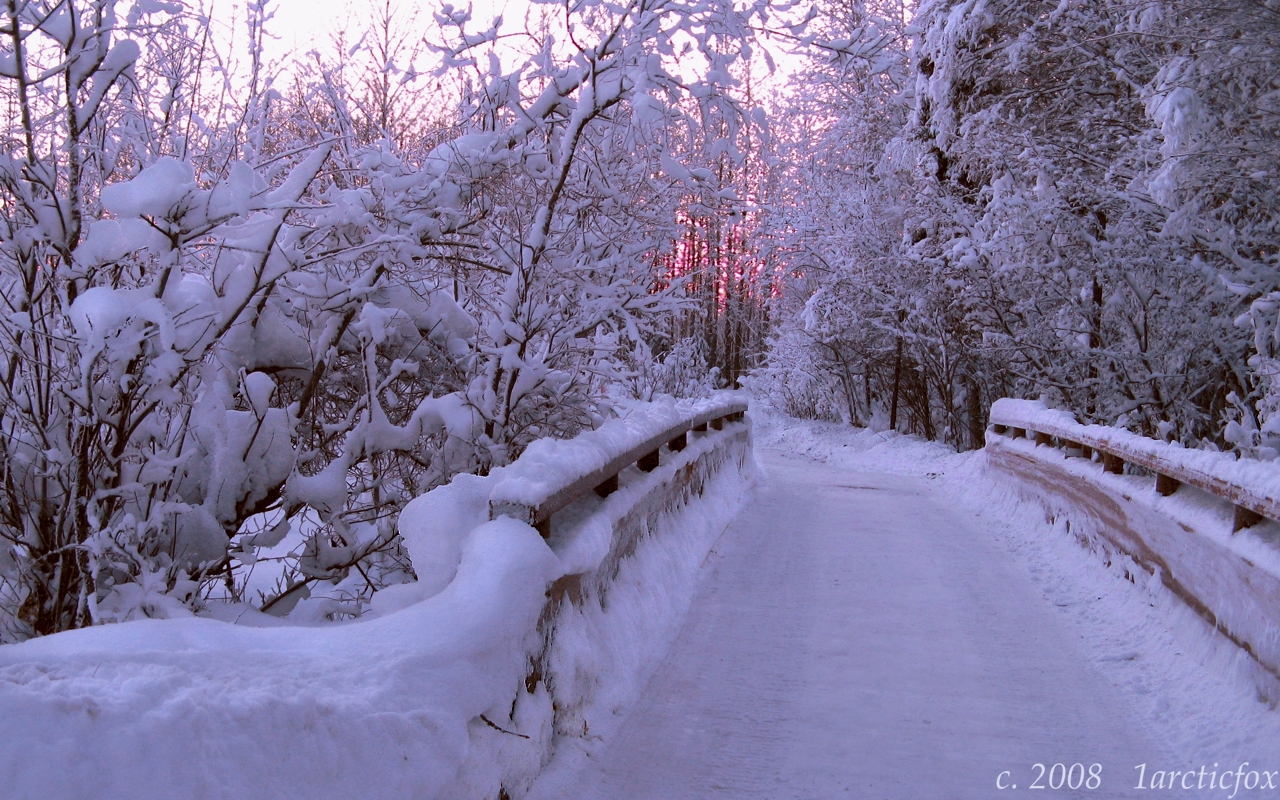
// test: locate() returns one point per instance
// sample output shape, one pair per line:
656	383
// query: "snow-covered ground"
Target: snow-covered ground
888	619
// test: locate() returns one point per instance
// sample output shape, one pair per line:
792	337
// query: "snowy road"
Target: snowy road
856	636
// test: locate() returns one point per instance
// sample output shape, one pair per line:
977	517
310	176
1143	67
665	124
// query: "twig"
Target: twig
489	722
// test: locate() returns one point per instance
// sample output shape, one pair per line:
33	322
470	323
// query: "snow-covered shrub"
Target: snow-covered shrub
800	381
241	336
681	371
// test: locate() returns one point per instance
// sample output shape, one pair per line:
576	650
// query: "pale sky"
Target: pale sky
300	25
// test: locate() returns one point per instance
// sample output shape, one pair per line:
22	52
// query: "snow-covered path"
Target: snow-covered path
856	636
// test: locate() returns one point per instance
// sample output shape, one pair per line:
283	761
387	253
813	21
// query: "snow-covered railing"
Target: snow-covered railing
536	487
1210	544
464	683
1253	487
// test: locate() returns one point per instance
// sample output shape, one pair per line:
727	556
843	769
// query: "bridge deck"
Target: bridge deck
856	637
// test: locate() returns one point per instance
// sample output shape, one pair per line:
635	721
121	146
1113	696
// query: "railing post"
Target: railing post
1000	429
1112	464
608	486
1043	438
679	443
717	424
648	462
1019	433
1165	485
702	428
1245	518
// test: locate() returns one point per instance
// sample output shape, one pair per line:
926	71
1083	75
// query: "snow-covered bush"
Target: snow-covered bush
242	335
681	371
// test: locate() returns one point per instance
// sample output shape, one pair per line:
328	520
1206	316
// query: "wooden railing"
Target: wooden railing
681	455
1114	448
603	481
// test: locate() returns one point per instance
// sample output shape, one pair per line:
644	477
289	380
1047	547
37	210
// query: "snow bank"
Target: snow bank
199	708
430	696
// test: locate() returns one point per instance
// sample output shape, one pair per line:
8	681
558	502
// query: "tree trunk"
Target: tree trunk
897	385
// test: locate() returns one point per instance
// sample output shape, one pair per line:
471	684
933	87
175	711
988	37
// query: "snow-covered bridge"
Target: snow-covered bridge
857	636
871	627
652	611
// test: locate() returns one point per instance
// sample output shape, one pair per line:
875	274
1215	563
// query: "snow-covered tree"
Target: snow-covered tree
1068	215
243	328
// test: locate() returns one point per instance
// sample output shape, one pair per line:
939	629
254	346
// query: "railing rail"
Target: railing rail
1115	447
646	455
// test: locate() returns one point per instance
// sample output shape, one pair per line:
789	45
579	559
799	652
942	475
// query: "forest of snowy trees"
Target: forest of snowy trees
1074	199
253	308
